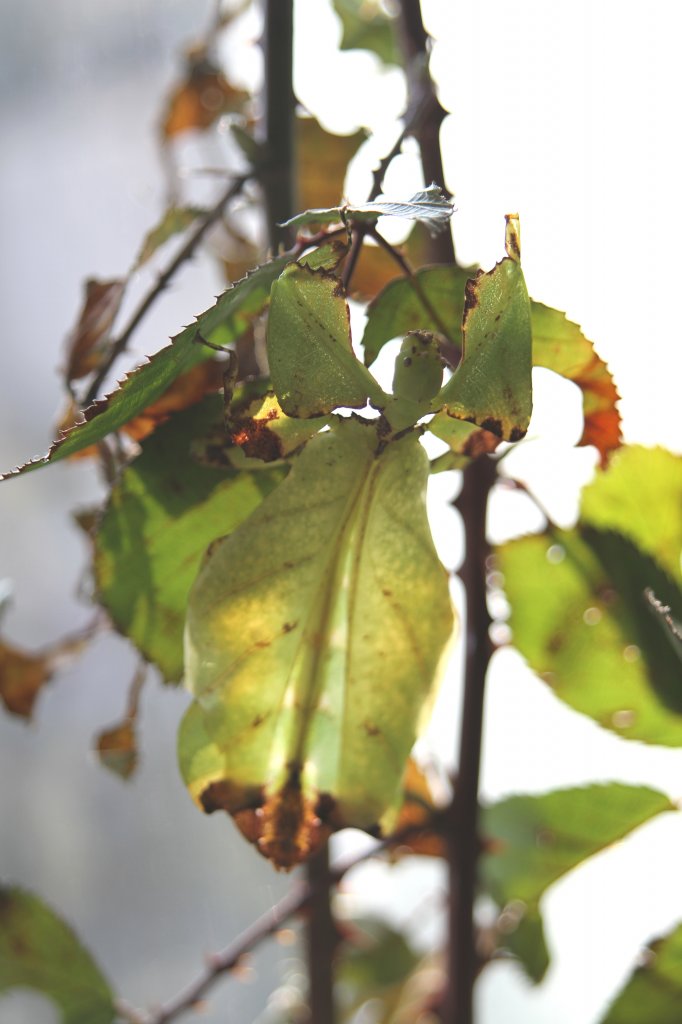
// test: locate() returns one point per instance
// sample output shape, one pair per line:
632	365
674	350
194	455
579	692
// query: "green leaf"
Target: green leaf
430	300
314	635
535	840
39	951
366	26
640	495
312	364
580	617
162	514
375	962
654	991
175	220
429	206
222	324
491	387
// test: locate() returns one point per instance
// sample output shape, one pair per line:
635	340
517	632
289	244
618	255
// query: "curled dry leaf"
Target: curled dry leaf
88	343
23	674
117	746
201	97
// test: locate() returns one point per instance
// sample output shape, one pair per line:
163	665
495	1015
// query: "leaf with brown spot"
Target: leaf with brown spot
263	431
580	617
175	220
200	98
491	387
313	641
89	342
560	345
323	160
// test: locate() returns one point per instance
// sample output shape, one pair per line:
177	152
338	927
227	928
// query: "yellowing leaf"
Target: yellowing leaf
314	635
323	159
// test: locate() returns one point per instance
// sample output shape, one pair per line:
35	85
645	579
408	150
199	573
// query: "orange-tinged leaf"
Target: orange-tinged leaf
186	390
88	343
200	98
419	806
323	159
560	345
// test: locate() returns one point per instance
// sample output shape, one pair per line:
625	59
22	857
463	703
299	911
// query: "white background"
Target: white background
564	112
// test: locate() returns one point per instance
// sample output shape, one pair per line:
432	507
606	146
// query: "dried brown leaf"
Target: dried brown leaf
23	674
200	98
88	344
117	749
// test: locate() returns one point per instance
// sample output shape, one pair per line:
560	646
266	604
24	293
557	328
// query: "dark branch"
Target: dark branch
463	839
422	97
277	174
188	250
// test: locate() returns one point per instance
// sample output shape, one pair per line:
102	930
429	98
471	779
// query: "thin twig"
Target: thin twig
188	249
268	924
416	283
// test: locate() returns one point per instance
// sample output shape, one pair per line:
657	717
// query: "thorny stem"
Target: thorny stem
422	96
463	839
188	250
462	836
278	172
277	177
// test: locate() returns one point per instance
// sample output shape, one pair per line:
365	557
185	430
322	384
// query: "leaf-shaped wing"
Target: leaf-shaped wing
314	635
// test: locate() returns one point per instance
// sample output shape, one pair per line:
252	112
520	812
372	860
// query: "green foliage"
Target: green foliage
162	514
312	364
579	611
538	839
491	387
654	992
366	26
38	951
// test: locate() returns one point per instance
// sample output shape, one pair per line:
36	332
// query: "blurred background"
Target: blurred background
564	112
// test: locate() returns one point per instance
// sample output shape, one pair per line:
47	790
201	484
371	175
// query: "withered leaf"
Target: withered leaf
88	343
117	749
23	674
200	98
